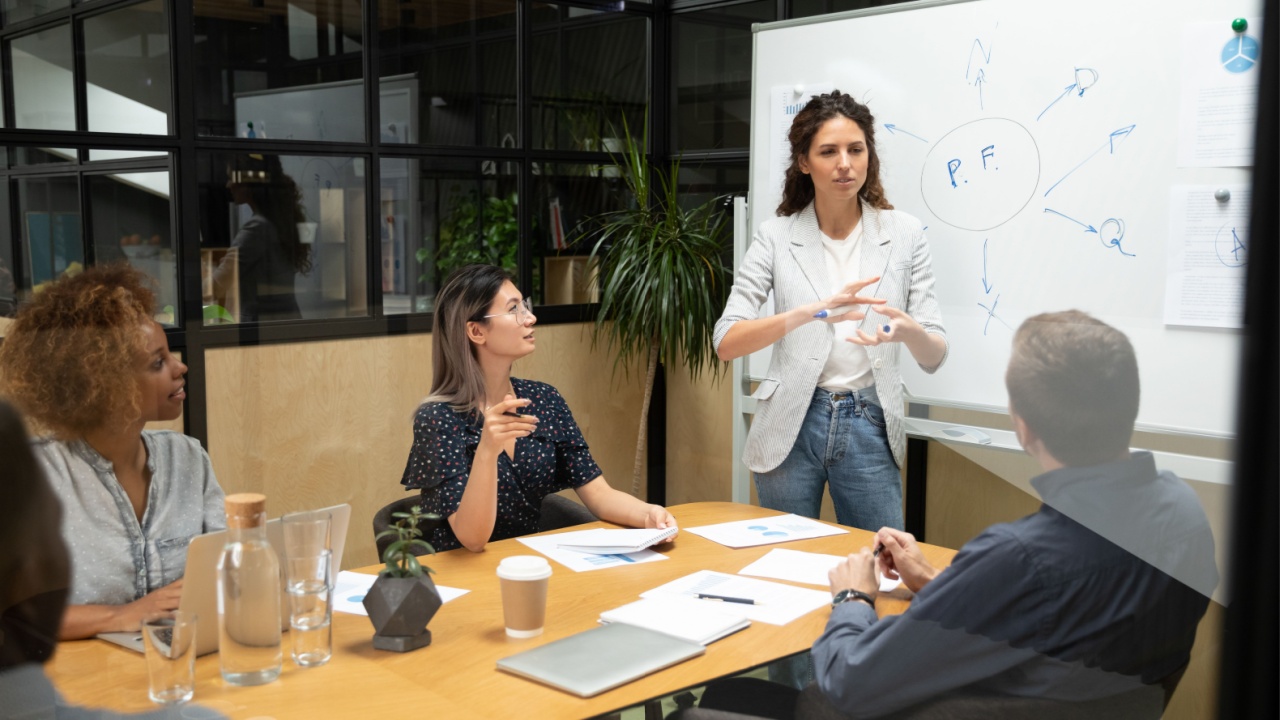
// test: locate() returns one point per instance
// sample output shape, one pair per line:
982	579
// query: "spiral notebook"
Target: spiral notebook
602	541
699	621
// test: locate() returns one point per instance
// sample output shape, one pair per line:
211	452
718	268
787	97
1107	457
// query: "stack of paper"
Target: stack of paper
694	620
607	542
578	561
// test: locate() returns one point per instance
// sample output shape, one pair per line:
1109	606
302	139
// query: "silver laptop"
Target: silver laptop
200	588
600	659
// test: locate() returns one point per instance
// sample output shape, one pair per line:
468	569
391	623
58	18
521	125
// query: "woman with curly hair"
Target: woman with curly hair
830	409
87	364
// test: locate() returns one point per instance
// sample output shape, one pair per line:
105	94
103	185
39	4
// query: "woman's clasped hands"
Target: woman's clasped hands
899	327
845	305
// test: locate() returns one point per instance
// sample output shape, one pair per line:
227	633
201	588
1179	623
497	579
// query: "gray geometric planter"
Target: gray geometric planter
400	609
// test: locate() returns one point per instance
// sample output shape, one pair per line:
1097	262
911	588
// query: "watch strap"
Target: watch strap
845	596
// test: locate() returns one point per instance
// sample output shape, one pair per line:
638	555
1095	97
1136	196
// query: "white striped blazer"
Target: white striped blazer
786	257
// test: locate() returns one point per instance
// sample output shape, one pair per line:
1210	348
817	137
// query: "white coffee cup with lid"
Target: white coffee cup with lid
524	580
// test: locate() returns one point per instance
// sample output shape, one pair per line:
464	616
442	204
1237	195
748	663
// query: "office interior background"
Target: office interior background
408	126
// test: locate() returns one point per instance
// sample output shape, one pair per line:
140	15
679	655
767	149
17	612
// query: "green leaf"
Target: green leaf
662	273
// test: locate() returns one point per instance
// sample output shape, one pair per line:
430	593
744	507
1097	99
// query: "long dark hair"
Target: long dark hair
456	377
797	190
278	198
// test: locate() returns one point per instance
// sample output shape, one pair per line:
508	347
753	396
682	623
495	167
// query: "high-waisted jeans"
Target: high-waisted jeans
842	443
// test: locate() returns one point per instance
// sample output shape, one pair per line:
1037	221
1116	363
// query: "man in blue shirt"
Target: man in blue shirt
1096	596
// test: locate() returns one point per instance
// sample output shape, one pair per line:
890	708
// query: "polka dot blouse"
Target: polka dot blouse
555	457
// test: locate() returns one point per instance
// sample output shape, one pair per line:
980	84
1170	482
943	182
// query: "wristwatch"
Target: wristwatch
845	596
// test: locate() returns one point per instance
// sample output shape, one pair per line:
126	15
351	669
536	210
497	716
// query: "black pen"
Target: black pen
726	598
879	549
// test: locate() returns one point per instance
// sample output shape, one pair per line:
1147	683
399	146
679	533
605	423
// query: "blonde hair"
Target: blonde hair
456	377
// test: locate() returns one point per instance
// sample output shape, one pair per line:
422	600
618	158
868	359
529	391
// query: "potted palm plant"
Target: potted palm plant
403	599
663	279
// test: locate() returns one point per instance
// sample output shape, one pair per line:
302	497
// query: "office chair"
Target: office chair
382	520
561	512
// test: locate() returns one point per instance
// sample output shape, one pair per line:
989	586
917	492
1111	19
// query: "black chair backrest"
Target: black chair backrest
561	512
382	520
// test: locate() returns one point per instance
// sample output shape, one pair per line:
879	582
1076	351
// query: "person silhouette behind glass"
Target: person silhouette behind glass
268	250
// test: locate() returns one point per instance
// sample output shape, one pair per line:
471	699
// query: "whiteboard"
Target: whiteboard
953	78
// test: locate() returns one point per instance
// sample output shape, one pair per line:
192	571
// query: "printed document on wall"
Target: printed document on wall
1208	252
1219	94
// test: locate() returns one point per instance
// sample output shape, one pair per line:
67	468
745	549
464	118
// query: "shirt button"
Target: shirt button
877	363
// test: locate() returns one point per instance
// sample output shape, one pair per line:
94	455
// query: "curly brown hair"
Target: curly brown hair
797	189
69	360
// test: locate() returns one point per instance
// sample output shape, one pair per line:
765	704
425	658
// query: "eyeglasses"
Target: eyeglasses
522	311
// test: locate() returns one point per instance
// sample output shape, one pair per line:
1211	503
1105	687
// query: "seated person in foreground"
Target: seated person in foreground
1096	595
487	447
87	364
35	574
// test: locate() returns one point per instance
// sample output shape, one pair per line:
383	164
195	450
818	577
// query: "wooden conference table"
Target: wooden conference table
456	677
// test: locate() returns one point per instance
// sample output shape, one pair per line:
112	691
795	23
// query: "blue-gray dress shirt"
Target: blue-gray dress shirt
115	559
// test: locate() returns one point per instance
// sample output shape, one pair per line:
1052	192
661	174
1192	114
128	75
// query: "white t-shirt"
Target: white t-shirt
848	367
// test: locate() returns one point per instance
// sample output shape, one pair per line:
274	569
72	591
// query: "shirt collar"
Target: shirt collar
1057	486
102	465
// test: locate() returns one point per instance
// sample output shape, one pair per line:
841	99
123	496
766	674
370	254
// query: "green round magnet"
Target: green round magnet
1239	25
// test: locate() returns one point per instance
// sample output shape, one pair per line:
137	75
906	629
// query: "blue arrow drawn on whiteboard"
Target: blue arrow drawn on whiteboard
894	129
1065	93
985	287
1111	142
1087	228
982	77
1085	78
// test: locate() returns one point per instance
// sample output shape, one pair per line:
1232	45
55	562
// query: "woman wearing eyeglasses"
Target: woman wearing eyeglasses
487	447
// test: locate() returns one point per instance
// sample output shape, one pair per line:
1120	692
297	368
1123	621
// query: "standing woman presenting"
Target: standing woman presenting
830	410
488	447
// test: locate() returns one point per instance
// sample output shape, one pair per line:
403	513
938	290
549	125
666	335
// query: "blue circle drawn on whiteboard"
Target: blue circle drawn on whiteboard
981	174
1231	245
356	598
1240	54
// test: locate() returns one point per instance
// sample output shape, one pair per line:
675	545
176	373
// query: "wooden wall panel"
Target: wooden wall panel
320	423
699	438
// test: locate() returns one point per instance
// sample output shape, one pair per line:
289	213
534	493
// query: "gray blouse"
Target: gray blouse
114	558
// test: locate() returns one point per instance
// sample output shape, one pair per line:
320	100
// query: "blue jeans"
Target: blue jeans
842	443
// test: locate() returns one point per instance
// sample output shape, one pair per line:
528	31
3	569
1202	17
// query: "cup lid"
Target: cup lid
524	567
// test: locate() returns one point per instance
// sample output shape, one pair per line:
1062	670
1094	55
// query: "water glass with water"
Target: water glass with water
170	642
309	582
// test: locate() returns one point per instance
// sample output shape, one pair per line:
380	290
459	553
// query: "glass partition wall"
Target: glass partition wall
341	156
